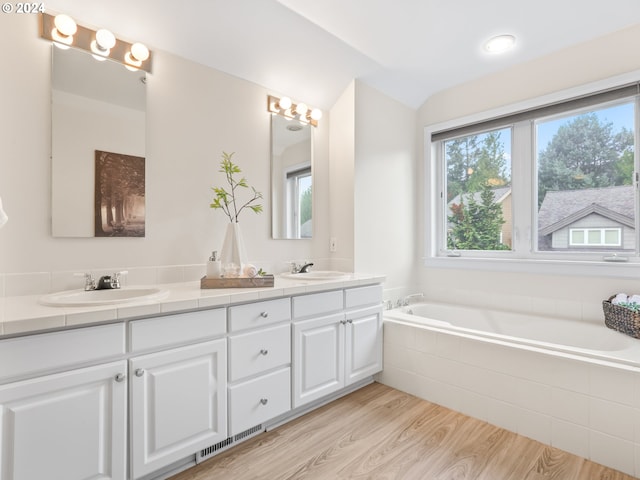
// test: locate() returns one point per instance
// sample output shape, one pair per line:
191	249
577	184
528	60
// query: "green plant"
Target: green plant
226	200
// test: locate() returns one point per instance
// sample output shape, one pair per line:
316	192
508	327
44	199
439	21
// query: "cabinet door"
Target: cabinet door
67	426
318	352
363	344
178	404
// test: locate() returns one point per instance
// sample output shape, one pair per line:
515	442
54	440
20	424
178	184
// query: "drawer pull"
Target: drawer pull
264	314
264	401
120	377
139	372
264	351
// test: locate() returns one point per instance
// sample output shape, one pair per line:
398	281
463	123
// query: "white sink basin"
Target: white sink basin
318	275
80	298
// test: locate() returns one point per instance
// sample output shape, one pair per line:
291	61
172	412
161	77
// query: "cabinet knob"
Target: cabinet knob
349	321
343	322
264	401
264	351
120	377
264	314
139	372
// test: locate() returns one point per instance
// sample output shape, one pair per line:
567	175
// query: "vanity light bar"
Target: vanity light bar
134	56
285	107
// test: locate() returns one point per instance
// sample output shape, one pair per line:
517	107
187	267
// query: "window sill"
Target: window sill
583	268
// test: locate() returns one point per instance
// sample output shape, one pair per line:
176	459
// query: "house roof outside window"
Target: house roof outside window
562	208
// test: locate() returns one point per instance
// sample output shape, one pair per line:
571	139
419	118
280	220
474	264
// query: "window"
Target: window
555	182
299	192
595	237
478	191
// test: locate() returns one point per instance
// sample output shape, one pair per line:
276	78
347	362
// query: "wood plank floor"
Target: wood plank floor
381	433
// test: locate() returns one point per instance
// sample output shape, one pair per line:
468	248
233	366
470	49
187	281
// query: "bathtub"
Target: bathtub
571	384
588	339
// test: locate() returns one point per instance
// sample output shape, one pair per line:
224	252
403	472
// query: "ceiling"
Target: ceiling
312	49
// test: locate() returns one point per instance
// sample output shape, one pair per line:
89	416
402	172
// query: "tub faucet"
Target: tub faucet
407	300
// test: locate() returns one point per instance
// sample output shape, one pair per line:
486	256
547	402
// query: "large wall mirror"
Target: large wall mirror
97	107
291	179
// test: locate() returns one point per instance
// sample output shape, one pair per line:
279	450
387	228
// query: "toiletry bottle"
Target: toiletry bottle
213	266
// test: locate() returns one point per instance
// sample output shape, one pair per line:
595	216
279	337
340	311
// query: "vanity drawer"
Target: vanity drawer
256	401
259	351
259	314
317	304
47	352
159	332
363	296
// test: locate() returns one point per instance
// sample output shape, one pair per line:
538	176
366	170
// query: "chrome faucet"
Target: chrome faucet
89	281
304	268
107	282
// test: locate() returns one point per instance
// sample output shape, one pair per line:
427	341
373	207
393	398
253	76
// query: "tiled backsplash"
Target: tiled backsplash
40	283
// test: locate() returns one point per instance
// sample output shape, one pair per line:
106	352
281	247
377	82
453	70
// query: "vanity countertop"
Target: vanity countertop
24	314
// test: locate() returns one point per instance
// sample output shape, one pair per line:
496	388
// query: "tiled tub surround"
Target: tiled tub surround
577	401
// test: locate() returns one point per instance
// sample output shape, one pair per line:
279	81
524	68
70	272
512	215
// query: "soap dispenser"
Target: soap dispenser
214	269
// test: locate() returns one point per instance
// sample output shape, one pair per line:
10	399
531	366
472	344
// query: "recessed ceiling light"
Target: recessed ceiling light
500	44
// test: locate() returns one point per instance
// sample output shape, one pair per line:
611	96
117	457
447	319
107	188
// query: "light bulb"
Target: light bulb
301	109
65	28
102	45
316	114
105	39
284	103
65	25
130	60
139	51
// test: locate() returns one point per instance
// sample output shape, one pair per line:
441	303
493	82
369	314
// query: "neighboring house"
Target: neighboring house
501	196
587	219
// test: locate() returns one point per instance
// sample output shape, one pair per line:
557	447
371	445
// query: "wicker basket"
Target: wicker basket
621	319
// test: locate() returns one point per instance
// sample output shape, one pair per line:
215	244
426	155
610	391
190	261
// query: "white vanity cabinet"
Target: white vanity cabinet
179	394
337	340
363	332
69	425
259	363
138	398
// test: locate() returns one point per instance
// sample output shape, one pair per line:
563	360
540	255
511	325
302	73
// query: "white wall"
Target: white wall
568	295
373	186
385	188
193	114
341	168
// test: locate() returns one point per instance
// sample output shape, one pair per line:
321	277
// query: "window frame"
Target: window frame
524	255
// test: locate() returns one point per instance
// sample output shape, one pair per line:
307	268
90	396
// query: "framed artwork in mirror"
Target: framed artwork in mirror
119	195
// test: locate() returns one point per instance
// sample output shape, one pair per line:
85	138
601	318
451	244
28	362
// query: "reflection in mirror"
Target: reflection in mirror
291	179
96	106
